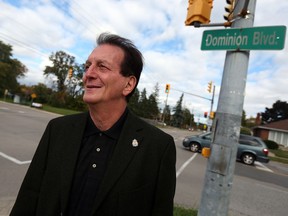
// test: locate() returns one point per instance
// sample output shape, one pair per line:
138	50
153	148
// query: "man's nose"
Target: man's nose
91	71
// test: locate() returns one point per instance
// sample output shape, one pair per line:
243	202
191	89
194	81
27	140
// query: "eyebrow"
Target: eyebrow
88	61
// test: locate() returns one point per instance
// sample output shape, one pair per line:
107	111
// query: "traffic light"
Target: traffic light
167	88
209	89
212	115
229	9
205	114
70	73
198	11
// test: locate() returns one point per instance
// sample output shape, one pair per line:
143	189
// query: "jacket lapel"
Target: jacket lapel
72	140
126	147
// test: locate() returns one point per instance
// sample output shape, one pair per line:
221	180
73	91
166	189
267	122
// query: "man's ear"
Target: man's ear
130	85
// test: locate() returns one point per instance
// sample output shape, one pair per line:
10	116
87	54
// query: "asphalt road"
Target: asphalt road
260	190
257	190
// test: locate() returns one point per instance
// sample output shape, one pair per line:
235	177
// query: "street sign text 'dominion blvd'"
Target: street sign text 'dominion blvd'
255	38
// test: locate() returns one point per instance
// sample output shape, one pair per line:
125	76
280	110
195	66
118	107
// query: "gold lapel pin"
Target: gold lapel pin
134	143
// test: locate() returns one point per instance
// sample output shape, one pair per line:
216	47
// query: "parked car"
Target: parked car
250	148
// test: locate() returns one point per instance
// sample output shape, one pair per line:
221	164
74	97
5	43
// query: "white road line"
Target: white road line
180	170
14	159
262	167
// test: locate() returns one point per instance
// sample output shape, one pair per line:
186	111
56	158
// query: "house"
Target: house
275	131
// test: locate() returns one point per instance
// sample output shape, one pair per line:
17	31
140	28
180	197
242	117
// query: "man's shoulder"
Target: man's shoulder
148	127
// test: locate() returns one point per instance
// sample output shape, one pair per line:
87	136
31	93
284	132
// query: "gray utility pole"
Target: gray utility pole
226	126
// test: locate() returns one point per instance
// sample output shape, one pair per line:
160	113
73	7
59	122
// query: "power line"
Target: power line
22	44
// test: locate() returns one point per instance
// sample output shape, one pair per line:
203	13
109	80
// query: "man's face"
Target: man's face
102	80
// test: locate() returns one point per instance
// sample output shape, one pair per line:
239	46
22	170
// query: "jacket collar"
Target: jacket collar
72	139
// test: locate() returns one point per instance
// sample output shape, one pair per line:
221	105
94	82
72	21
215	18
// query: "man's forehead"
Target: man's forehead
106	51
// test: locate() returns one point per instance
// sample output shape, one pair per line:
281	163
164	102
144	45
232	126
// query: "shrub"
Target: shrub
246	131
271	144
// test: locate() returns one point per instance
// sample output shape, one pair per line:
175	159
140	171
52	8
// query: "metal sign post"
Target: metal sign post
226	125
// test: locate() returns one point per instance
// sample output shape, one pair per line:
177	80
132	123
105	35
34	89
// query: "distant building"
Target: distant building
275	131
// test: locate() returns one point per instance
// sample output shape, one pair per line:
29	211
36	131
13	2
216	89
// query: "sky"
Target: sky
37	28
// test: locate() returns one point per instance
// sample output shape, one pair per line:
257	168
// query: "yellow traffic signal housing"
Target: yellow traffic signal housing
167	88
206	152
209	89
212	115
229	9
70	73
199	11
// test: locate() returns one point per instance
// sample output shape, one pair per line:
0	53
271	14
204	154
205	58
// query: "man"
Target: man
107	161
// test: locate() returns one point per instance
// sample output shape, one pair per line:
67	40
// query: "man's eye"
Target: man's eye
103	67
87	66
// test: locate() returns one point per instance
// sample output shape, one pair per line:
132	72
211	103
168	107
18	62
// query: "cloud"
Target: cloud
36	28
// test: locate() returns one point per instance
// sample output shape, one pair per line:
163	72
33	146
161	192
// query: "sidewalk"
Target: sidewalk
6	204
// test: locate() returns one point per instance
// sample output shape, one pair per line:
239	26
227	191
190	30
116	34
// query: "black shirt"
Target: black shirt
96	149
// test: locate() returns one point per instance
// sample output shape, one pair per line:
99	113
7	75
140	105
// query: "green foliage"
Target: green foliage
60	111
271	144
145	107
134	102
76	103
178	117
143	104
153	107
181	211
10	70
280	153
167	114
62	62
279	111
243	119
244	130
42	92
188	118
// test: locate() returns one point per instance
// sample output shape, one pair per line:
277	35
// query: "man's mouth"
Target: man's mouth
92	86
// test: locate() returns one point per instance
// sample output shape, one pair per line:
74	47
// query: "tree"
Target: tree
243	119
153	110
10	69
134	102
75	84
143	104
178	117
62	62
68	89
279	111
167	114
188	118
42	93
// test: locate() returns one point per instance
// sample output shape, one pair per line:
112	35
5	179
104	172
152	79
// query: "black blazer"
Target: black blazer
139	181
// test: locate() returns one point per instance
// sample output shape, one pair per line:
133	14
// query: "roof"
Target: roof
281	125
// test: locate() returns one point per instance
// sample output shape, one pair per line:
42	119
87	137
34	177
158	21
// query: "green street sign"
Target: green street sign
255	38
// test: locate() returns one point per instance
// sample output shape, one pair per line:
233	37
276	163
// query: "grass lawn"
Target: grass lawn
60	111
280	155
180	211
